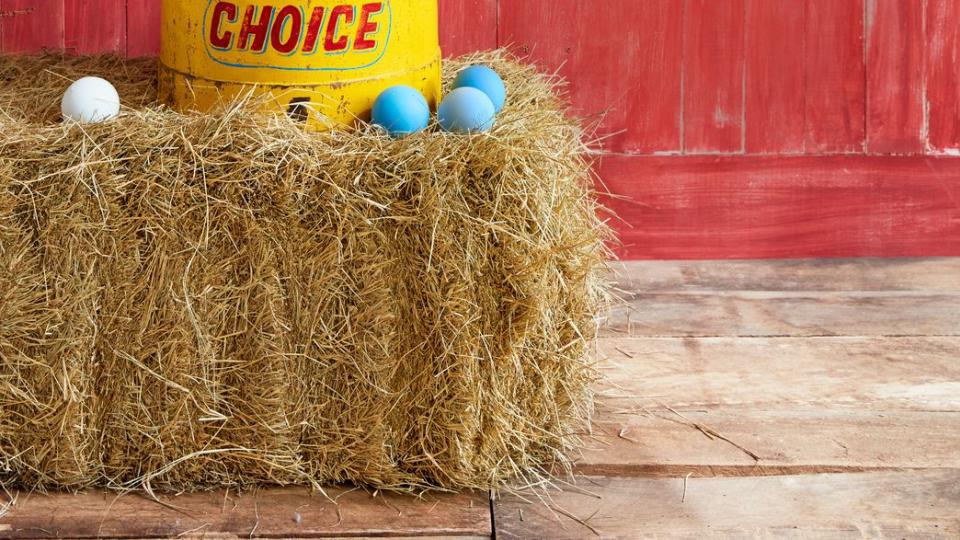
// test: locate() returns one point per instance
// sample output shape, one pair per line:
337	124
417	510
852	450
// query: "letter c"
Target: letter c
223	10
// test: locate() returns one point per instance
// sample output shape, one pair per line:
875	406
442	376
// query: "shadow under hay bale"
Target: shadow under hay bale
190	301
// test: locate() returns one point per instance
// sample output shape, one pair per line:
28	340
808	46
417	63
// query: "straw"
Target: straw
223	299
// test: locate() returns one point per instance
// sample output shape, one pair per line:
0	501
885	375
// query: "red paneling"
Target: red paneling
943	77
143	27
622	57
836	77
31	25
895	73
467	26
713	58
775	61
785	207
764	77
95	26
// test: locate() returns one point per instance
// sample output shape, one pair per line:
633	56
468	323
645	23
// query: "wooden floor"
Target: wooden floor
741	399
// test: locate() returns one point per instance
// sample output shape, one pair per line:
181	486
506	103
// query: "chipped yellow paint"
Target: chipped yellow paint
321	61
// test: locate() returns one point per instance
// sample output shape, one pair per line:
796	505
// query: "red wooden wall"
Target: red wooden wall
730	128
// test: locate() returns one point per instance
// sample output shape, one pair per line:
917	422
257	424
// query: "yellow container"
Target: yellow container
323	62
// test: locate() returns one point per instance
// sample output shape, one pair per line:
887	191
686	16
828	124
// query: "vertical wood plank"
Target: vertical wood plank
467	26
943	77
622	58
836	77
713	76
32	25
143	27
775	87
895	45
95	26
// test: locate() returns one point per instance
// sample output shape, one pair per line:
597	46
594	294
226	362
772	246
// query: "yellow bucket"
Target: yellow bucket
323	62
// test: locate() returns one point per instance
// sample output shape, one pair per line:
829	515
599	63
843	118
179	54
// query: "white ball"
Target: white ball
90	100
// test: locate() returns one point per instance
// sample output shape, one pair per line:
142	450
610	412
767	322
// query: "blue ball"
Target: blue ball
466	110
487	81
401	110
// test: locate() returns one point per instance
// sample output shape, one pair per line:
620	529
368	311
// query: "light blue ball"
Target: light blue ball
487	81
401	110
466	110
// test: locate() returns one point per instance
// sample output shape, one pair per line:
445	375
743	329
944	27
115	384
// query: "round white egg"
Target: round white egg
90	100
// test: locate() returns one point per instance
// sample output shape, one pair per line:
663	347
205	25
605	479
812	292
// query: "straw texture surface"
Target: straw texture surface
208	300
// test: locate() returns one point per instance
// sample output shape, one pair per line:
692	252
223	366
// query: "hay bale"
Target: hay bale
189	301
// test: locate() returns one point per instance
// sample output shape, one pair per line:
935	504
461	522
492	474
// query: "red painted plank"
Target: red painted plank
775	60
784	207
895	45
622	58
836	77
95	26
943	77
713	76
143	27
467	26
31	25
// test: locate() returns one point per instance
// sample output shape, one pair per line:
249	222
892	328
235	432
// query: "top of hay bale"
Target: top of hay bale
203	300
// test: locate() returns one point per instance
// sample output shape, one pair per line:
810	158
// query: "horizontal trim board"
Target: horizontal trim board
736	207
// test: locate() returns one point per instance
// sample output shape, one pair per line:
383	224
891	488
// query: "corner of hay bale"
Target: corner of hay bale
191	301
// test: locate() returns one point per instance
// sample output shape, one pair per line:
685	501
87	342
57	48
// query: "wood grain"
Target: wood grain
30	26
782	406
895	77
95	26
876	505
876	374
775	89
878	297
835	77
713	68
467	26
783	207
943	76
143	28
276	513
789	440
622	58
776	314
916	275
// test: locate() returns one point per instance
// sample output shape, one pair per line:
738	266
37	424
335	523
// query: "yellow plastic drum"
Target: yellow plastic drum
323	62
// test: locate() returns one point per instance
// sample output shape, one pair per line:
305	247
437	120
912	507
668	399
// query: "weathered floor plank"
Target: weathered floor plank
875	505
915	275
799	314
862	373
661	443
274	513
763	406
787	298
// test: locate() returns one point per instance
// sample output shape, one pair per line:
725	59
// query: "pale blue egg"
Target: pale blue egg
466	110
487	81
401	110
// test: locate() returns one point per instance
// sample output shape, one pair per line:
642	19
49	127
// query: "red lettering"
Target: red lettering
313	31
367	27
333	43
223	10
259	30
293	16
287	28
